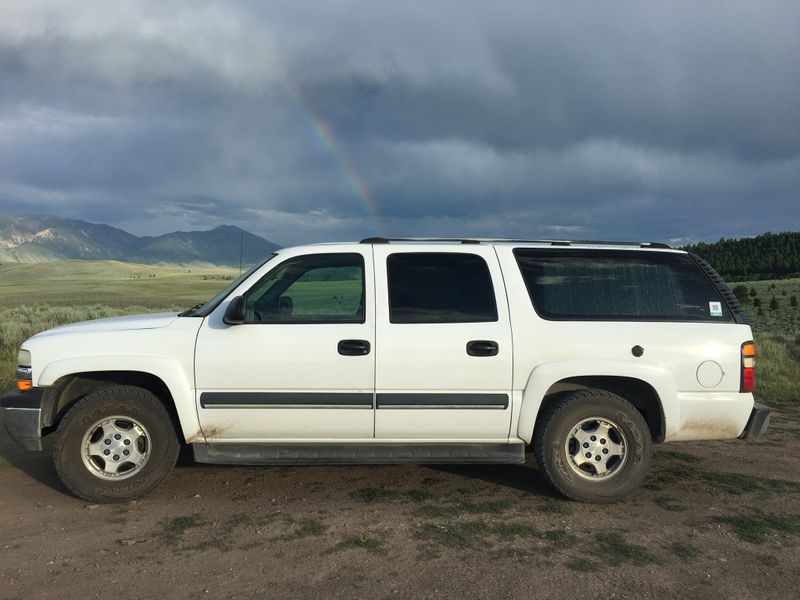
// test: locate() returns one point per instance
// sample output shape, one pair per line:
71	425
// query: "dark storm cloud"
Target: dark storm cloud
631	120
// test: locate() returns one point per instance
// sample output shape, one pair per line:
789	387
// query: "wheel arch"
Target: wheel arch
68	389
648	389
639	393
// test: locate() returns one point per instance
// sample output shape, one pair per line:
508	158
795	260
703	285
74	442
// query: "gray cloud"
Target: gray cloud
629	120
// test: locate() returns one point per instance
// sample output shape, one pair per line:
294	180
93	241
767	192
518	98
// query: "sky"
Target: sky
332	120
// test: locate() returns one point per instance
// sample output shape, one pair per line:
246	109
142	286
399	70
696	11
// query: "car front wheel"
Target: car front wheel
115	444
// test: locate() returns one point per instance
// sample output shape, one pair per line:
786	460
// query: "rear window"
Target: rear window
618	285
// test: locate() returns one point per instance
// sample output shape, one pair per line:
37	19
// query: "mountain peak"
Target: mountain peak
38	238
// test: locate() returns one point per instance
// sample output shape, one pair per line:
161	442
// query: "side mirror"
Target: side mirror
236	313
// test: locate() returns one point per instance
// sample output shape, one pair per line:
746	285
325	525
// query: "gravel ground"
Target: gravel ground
717	519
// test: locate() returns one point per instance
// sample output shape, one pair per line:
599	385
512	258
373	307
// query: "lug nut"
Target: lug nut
126	452
127	442
106	441
588	455
585	444
605	450
116	457
117	436
602	440
106	452
597	458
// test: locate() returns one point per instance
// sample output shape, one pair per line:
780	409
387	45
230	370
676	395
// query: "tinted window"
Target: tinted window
439	287
607	284
316	288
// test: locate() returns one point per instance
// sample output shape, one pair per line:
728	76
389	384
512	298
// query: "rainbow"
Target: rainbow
324	134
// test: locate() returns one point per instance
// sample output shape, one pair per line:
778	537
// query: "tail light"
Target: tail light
748	367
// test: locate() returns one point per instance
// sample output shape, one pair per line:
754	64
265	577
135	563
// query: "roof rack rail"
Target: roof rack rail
613	243
384	240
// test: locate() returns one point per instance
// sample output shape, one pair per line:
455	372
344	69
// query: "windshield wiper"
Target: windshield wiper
188	312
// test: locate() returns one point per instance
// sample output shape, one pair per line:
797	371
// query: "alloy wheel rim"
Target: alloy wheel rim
596	449
115	448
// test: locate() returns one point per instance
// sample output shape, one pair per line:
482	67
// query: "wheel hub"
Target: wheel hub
596	448
115	448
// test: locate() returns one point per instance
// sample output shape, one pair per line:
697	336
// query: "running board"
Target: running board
358	454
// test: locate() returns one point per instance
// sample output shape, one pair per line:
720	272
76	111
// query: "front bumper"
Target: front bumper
758	423
22	415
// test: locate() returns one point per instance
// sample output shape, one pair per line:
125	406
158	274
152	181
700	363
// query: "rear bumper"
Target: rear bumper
758	423
22	416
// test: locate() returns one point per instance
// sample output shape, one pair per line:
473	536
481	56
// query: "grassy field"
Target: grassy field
77	283
714	519
776	328
35	297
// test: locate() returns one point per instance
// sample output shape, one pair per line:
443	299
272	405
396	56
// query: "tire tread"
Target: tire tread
545	423
142	398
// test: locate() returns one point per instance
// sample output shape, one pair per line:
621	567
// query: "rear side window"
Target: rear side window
618	285
439	287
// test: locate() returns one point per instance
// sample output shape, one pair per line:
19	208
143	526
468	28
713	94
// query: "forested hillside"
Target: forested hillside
766	256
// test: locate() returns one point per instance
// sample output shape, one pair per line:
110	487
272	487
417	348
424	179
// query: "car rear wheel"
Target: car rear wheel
593	446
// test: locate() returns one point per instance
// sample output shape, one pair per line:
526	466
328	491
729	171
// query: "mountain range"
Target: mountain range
39	238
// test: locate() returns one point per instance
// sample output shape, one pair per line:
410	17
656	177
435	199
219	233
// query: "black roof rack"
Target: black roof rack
383	240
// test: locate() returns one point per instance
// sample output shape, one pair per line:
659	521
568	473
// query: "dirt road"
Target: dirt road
717	520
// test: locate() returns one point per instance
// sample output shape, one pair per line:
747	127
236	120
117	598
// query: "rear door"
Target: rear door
444	355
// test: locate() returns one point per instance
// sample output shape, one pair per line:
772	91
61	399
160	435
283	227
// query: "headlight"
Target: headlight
24	358
24	372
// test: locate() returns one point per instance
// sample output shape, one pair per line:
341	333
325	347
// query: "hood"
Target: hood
153	321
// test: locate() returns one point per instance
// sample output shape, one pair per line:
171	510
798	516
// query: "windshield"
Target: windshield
204	309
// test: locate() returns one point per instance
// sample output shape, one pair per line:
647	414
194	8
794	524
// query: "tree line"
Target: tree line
766	256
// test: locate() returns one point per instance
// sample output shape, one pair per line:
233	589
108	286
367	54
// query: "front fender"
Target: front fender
169	371
544	376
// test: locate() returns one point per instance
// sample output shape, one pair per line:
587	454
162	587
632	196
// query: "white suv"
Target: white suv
389	351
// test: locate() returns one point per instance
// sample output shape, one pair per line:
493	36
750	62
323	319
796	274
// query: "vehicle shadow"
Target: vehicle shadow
36	465
524	478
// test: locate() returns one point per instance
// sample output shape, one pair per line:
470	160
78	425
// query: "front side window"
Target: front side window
315	288
439	287
618	285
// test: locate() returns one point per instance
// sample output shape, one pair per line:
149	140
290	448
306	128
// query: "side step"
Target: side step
358	454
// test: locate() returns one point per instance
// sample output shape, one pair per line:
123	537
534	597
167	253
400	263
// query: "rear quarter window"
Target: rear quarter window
566	284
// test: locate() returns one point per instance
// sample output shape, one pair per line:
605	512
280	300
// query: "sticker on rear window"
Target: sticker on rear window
715	309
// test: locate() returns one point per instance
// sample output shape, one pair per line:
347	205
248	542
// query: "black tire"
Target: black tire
87	476
558	451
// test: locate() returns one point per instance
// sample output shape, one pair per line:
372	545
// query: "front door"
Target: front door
444	355
302	365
